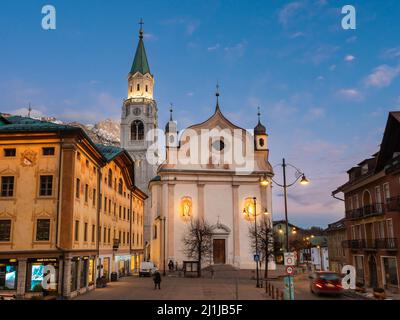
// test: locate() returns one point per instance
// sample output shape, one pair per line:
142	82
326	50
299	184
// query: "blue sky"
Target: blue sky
324	92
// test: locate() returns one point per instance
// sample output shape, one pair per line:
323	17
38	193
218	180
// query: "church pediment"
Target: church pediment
216	120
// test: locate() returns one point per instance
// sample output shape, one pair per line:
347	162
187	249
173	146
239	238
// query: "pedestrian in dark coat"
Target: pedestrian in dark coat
157	280
171	265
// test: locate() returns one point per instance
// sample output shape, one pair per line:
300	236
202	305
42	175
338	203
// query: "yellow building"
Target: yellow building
53	213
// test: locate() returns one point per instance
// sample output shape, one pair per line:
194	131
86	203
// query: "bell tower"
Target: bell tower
139	121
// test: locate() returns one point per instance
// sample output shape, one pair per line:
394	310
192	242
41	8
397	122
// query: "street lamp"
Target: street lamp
303	181
247	211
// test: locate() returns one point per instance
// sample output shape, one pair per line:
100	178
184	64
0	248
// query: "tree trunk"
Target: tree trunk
199	271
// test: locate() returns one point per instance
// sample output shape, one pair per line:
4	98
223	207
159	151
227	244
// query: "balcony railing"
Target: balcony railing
386	243
393	204
371	244
366	211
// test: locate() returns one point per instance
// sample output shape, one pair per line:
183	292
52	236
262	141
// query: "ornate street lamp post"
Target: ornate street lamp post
303	181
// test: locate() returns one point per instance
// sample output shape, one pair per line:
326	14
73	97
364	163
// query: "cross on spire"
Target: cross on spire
217	95
141	23
258	114
171	110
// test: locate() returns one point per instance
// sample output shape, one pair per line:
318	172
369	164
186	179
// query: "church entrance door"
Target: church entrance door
219	251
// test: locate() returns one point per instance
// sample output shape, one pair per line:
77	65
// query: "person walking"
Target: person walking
171	265
157	280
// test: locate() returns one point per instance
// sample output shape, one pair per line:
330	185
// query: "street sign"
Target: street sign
289	258
290	270
256	257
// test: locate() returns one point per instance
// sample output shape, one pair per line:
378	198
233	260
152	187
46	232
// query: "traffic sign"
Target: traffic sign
289	258
290	270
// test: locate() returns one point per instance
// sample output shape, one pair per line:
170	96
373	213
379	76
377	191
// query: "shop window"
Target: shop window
8	275
37	268
46	186
48	151
5	230
10	152
91	271
7	186
74	274
43	230
84	272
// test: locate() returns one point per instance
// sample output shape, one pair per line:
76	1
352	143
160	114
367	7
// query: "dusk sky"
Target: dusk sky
324	92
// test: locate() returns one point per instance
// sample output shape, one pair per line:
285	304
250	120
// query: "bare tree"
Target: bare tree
197	241
265	241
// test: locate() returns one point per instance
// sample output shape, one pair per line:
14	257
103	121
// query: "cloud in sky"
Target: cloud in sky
349	58
351	94
288	12
190	25
382	76
392	53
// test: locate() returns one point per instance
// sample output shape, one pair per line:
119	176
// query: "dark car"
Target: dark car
325	282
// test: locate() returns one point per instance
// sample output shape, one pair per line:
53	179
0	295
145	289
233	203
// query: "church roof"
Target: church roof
140	63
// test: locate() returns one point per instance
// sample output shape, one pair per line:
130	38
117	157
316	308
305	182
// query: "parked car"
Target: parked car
147	268
325	282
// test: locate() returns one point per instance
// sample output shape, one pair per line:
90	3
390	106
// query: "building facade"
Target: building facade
372	203
51	219
139	121
214	189
336	234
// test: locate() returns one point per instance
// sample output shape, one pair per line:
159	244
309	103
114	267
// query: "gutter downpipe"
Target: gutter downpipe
58	215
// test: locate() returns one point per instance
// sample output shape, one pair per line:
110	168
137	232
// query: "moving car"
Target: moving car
147	268
326	282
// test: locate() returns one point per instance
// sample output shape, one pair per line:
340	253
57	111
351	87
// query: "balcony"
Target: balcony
366	211
393	204
386	243
371	244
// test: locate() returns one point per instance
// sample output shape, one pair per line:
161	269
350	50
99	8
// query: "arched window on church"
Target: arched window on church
137	130
110	178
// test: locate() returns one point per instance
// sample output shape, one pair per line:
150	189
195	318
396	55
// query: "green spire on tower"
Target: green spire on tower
140	63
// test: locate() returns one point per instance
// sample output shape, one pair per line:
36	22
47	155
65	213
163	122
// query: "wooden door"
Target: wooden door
219	251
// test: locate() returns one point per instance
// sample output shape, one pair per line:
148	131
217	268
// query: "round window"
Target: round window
218	145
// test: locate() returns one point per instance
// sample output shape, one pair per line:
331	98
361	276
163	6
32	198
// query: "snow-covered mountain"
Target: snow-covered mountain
105	132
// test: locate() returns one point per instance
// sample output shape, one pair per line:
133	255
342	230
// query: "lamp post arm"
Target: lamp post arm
289	185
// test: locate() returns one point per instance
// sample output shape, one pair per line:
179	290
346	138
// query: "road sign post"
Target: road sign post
289	288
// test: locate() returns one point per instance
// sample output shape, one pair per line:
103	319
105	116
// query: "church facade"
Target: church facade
212	173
